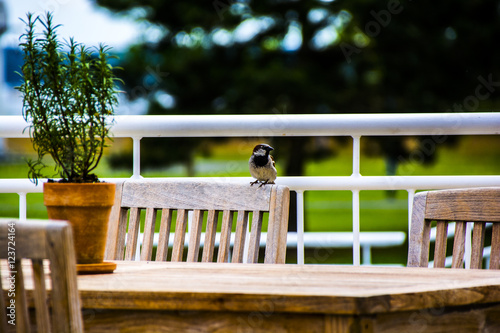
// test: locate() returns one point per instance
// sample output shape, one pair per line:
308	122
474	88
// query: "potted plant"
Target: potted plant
69	93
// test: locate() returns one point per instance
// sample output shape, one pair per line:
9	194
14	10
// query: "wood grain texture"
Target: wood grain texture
195	236
209	195
149	232
335	324
40	296
133	233
197	321
283	199
458	245
63	276
3	318
225	236
40	240
256	228
181	196
116	230
210	233
276	234
478	235
418	251
22	315
164	235
117	251
428	320
439	320
240	236
180	235
495	247
476	204
441	243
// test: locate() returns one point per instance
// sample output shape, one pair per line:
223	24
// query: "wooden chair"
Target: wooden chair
39	240
477	205
198	197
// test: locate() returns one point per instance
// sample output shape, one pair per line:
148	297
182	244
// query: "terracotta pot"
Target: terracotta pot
87	208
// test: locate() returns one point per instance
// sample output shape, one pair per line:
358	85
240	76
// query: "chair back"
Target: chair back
205	201
37	241
477	206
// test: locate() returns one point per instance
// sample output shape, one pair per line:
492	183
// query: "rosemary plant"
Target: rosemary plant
69	93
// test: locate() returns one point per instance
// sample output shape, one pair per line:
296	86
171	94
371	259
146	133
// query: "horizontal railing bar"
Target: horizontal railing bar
387	182
436	124
337	239
318	183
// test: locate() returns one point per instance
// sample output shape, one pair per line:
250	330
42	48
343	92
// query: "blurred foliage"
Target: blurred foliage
356	56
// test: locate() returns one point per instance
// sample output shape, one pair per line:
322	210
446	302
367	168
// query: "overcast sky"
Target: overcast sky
80	19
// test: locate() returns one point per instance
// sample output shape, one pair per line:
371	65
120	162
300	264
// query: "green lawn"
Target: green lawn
324	210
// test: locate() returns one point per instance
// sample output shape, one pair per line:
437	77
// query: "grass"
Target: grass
324	210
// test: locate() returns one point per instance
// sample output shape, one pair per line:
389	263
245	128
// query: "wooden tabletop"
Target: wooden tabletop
326	289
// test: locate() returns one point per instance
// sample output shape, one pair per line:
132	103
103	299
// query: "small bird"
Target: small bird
262	166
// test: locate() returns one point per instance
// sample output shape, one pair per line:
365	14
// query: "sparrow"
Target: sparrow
262	166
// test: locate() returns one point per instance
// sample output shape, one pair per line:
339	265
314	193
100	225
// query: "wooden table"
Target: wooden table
187	297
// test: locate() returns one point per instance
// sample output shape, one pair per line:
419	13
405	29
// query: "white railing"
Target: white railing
437	126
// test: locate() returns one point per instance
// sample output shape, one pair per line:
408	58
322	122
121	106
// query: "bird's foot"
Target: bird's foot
253	183
266	182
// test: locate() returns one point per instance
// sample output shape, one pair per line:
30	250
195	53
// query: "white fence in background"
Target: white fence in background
437	126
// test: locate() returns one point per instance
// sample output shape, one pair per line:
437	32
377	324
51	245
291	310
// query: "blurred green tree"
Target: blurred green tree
311	56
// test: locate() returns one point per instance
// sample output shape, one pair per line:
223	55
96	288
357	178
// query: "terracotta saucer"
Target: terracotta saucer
99	268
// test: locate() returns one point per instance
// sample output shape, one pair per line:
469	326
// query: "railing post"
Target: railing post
411	196
367	255
356	156
22	206
300	227
355	228
355	201
136	166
